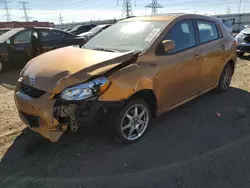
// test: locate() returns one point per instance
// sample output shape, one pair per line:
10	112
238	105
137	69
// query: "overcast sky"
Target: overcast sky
85	10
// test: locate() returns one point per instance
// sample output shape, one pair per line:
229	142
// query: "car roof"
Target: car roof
4	37
170	17
4	29
17	29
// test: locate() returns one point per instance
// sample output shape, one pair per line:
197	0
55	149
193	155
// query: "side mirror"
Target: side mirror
168	45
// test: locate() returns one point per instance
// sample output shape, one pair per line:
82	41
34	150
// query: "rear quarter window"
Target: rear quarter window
207	31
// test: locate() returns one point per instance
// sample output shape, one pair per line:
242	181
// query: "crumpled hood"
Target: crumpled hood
55	70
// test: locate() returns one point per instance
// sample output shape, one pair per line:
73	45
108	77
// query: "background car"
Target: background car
228	23
4	30
66	30
81	29
18	46
243	42
90	34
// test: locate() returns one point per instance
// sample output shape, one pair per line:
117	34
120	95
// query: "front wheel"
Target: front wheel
225	78
132	120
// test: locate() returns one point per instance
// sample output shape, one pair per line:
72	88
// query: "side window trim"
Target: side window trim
220	36
196	39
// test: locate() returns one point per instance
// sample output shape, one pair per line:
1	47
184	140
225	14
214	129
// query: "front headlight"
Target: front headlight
86	90
240	38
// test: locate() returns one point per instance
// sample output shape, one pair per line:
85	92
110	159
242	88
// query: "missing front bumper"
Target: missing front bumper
50	118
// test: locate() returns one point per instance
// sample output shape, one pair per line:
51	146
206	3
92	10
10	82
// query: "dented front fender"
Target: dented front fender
128	81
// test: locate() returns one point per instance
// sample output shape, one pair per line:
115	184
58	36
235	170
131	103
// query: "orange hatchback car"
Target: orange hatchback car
136	69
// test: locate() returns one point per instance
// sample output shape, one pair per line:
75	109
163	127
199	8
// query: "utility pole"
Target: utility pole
154	5
239	6
6	8
60	19
127	9
228	9
25	10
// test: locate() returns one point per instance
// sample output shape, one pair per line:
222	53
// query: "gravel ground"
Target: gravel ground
204	143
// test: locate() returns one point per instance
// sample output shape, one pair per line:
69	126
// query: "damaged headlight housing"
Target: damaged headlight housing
86	90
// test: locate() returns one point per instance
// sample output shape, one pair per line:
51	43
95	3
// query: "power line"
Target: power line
154	5
127	9
25	10
6	8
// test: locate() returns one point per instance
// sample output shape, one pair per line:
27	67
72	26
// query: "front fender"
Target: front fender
127	81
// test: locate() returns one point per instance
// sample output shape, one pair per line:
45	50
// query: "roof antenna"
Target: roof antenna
195	12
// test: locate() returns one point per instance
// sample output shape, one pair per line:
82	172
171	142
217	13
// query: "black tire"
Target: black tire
120	119
240	54
3	66
224	83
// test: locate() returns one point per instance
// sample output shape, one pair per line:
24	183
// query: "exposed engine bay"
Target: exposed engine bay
86	113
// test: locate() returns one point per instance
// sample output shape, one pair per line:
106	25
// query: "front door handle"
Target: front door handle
196	56
223	46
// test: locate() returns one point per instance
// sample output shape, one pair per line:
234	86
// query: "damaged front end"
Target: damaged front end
83	113
78	104
73	101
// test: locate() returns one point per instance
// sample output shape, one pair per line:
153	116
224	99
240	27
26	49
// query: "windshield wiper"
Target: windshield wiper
105	49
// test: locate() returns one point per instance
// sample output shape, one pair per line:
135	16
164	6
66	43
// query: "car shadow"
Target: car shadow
186	137
9	79
246	57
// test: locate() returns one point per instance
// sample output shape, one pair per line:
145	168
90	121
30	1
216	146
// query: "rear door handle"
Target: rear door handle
223	46
196	56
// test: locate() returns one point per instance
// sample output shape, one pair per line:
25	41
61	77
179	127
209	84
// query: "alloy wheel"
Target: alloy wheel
135	122
226	78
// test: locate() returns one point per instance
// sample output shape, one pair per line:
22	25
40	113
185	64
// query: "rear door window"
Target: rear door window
208	31
58	34
47	34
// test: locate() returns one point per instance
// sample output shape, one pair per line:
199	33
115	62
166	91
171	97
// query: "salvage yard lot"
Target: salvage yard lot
204	143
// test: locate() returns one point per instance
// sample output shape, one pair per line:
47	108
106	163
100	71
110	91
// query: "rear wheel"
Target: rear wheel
225	78
132	120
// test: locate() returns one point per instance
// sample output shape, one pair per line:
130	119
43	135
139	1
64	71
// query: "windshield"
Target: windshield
97	28
127	36
75	28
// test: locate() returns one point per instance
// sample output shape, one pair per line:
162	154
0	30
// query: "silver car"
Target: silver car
243	42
